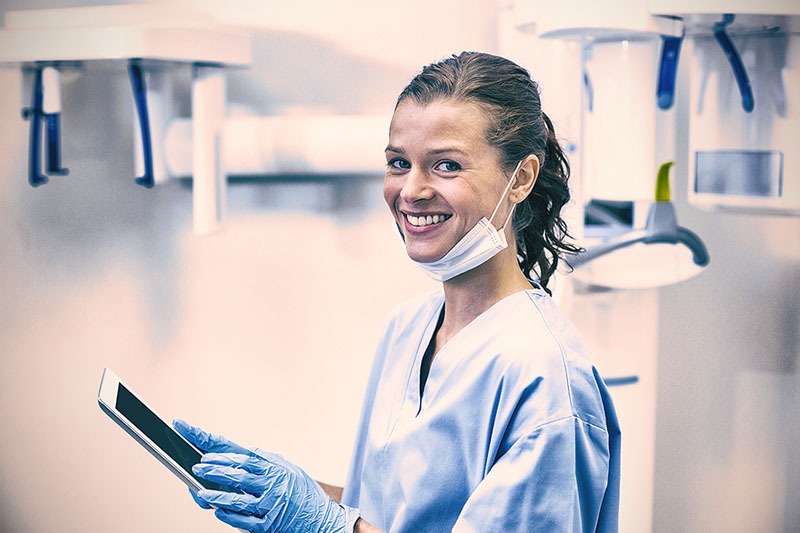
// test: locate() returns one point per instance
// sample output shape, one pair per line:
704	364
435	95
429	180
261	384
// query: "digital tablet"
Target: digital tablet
119	402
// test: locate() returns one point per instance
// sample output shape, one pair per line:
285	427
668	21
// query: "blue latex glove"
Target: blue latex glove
276	494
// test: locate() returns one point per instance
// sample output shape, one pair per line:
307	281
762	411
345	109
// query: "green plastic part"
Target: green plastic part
662	183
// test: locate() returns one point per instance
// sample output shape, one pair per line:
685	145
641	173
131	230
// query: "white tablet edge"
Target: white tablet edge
107	399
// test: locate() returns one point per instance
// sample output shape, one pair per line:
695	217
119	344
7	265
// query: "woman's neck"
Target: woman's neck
470	294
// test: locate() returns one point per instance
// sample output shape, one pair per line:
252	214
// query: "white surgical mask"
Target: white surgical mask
480	244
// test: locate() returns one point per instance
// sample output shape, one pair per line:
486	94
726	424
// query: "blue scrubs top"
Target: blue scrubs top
515	430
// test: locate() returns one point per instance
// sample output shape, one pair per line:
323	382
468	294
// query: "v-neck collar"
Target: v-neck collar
429	354
411	404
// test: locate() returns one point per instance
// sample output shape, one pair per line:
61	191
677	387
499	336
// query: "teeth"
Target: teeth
426	220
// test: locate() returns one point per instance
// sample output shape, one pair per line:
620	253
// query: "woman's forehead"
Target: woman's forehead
441	120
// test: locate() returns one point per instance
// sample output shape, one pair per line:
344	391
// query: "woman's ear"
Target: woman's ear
526	179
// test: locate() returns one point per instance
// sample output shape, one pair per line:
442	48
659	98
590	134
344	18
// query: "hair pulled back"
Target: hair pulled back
517	128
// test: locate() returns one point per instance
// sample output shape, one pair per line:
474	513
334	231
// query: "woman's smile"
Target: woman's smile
422	223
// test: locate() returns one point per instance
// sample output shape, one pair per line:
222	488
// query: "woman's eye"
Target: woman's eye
398	164
448	166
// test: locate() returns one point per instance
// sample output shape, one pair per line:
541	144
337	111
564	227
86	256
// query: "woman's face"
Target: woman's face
442	176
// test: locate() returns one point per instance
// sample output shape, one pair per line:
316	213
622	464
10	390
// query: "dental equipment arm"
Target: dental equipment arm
661	227
735	60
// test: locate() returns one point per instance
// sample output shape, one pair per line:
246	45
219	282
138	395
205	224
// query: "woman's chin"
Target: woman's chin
423	256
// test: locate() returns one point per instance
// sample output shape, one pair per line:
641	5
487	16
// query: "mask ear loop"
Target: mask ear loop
508	188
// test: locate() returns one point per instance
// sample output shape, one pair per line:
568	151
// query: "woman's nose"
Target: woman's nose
416	187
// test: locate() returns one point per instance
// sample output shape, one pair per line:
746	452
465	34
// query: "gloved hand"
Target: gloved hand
277	495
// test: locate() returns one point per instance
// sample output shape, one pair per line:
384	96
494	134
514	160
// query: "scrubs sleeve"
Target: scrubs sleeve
553	478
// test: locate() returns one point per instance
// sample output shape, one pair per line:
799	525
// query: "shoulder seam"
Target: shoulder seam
561	351
562	418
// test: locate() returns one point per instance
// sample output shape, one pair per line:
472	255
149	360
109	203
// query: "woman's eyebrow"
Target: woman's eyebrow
451	150
435	151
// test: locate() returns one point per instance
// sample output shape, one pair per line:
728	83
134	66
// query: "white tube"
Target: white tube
51	91
208	118
288	144
620	131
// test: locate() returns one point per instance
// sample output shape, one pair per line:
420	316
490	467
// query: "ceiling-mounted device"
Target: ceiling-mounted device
744	103
148	40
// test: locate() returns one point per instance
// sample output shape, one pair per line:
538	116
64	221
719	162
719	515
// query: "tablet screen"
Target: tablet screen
161	434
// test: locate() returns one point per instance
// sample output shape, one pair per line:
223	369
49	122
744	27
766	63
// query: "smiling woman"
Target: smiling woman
481	411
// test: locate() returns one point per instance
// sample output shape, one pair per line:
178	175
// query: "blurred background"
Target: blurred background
263	329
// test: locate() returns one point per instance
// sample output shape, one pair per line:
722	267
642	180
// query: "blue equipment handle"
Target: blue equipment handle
668	70
739	72
621	381
54	145
587	81
140	97
34	113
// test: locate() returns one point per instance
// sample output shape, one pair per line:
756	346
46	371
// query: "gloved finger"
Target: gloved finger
243	521
205	441
269	456
239	503
199	501
233	477
275	462
248	463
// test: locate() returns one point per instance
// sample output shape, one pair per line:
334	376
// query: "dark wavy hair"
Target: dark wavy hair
517	128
